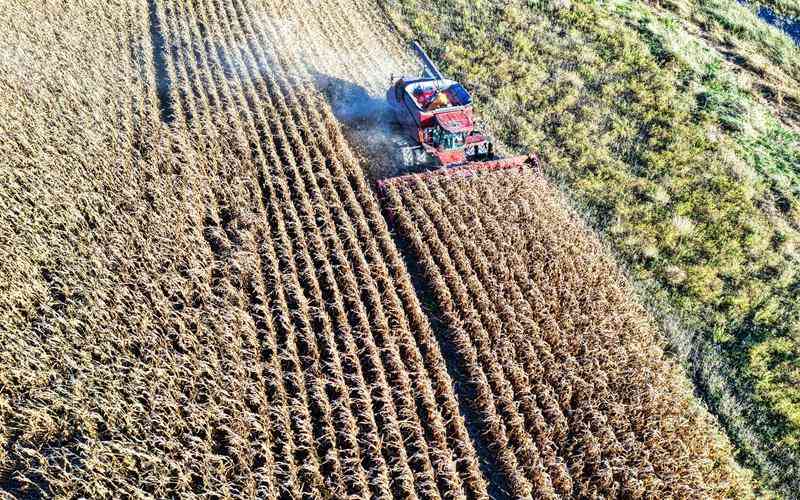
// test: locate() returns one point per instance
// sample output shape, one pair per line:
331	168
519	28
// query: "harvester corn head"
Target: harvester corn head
435	118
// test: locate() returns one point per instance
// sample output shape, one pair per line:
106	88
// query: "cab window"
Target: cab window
447	140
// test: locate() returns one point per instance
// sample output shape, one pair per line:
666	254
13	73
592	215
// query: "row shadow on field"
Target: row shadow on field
160	62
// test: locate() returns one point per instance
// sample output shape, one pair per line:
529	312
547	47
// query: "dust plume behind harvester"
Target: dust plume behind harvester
438	130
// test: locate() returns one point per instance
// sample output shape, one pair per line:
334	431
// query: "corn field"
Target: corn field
200	294
569	380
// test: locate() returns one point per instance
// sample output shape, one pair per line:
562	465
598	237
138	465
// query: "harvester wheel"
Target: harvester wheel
407	157
420	157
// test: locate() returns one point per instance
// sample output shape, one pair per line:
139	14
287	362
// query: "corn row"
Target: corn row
592	400
505	327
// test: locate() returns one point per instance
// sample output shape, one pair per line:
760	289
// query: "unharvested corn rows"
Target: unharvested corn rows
574	396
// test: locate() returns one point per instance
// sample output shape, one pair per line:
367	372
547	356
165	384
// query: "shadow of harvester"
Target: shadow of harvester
367	122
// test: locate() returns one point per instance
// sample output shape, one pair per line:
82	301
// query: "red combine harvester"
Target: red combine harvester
435	113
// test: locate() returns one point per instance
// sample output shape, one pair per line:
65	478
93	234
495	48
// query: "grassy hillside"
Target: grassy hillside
675	127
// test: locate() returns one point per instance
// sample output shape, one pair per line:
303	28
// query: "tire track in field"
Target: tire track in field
163	83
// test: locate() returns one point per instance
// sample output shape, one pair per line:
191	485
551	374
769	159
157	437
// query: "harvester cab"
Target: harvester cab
437	126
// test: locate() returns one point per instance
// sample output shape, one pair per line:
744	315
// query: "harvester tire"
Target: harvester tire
407	157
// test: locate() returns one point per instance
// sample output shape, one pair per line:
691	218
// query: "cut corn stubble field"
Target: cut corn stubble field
227	313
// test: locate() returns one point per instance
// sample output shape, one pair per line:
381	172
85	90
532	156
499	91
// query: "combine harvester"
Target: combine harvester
436	114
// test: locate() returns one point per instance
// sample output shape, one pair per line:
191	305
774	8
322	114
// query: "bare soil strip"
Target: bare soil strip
160	64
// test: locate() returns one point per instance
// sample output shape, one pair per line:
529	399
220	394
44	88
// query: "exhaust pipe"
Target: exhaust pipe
430	68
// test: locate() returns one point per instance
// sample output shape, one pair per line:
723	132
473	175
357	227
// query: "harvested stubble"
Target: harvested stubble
575	395
209	306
